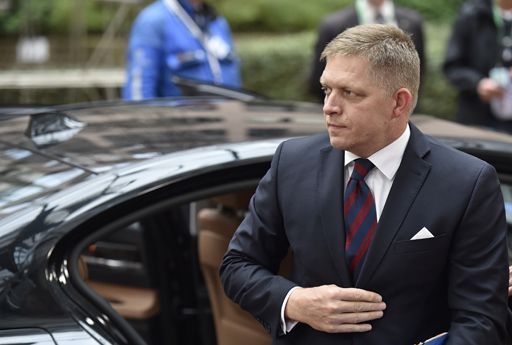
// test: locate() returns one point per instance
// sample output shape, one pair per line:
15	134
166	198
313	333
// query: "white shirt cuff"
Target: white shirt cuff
287	325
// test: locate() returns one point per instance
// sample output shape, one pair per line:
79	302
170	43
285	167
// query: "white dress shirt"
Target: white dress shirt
380	179
367	13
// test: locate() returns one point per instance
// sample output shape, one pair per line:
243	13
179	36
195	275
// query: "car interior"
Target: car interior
216	225
148	272
117	269
158	267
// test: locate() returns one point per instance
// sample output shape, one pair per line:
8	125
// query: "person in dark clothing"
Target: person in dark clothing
364	12
481	41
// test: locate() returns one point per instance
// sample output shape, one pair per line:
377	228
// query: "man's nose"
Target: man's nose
332	104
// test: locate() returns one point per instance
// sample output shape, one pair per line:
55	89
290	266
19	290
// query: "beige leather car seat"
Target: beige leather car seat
130	302
233	325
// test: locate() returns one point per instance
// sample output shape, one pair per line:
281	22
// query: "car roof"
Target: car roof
98	136
441	128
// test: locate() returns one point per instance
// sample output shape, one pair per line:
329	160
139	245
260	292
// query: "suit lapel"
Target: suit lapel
408	182
330	196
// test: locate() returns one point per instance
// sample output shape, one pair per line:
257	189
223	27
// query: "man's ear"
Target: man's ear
403	102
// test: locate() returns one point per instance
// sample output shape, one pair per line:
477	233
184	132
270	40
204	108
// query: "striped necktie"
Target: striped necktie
360	216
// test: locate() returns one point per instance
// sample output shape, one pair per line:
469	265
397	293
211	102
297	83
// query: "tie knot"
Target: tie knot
361	168
379	18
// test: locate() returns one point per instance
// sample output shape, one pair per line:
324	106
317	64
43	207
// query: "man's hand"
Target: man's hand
488	89
332	309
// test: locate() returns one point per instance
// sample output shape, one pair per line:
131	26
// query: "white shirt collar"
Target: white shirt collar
387	159
367	12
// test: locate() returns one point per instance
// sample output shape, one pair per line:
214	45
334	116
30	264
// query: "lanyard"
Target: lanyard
213	62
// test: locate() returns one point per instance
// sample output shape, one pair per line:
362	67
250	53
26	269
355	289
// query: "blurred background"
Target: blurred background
62	51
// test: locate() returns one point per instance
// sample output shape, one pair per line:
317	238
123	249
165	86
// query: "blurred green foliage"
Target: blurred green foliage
292	15
438	96
276	15
434	10
276	66
56	16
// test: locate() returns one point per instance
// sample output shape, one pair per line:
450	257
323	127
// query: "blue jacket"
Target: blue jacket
162	46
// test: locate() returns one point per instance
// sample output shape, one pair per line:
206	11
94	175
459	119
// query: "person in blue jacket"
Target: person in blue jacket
184	38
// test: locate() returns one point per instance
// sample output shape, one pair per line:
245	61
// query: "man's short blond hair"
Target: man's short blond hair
394	61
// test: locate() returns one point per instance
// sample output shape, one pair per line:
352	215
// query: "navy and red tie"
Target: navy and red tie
360	216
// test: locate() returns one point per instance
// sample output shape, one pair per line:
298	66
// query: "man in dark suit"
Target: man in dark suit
395	237
364	12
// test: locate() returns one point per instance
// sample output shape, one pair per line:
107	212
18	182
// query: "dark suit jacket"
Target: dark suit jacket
456	281
408	20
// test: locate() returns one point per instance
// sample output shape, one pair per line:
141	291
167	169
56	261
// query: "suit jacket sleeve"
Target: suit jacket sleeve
249	269
478	268
458	66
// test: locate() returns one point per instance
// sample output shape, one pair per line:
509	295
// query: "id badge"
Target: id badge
501	75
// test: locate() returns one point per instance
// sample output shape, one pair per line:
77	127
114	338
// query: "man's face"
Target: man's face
505	4
358	112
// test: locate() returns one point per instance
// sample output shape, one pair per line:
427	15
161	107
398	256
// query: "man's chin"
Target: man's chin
338	144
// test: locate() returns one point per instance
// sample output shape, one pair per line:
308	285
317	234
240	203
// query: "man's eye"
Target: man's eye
326	90
348	93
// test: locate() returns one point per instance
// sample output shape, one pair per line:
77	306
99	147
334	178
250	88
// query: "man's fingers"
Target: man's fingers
359	307
332	309
363	327
353	294
352	322
357	318
348	328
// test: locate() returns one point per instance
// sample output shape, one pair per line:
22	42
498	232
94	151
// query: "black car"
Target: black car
114	217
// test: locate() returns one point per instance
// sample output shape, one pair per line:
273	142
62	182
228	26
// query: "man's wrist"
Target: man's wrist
287	323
